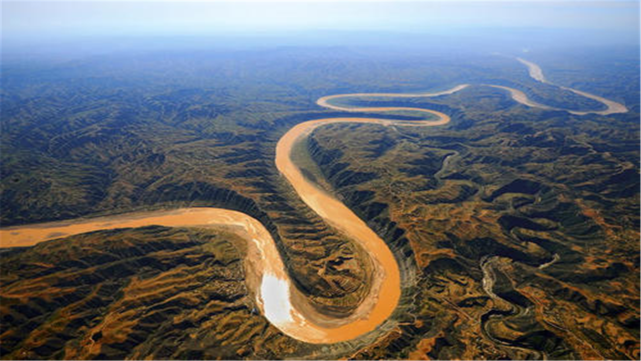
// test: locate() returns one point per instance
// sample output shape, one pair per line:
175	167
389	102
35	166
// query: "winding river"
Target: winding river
279	301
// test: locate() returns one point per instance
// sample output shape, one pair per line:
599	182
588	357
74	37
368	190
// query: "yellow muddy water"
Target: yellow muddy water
281	303
536	73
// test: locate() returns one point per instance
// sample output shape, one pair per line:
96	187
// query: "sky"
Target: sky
70	28
23	18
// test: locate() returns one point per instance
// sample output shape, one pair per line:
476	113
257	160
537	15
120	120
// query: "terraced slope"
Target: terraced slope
132	293
524	232
494	281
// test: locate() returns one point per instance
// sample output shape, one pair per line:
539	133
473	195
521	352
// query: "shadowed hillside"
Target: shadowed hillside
523	228
516	229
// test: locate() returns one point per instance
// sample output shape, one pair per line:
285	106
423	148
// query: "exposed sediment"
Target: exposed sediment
281	303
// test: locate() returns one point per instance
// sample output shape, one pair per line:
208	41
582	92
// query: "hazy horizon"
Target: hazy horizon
33	22
377	180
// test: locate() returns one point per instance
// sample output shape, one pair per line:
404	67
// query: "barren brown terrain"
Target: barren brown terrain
426	225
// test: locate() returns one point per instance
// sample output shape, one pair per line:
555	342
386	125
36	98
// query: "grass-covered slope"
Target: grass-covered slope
500	191
150	292
541	206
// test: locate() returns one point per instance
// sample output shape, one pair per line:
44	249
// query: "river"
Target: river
279	301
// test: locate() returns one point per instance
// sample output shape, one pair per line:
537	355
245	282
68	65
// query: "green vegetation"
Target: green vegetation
533	191
502	187
149	292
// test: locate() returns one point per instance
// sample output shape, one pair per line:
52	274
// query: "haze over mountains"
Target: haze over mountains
488	225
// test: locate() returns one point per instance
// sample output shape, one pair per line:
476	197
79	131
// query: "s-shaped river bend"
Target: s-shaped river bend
279	301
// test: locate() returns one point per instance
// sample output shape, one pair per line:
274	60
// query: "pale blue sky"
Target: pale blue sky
22	18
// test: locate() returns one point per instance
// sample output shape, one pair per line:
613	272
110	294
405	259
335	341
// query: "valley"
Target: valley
524	209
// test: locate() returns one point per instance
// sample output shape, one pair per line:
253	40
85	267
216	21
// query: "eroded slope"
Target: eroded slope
524	229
